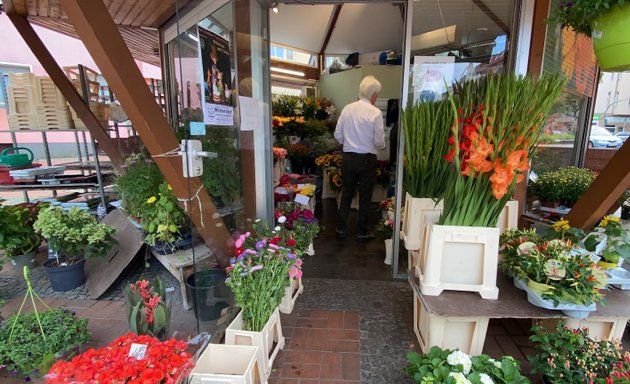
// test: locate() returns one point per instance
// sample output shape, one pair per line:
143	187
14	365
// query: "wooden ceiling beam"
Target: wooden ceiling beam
495	19
97	30
62	82
331	27
602	195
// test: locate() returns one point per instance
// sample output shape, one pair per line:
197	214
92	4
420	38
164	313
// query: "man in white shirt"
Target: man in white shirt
360	131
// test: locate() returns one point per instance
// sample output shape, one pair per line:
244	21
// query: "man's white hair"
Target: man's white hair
369	86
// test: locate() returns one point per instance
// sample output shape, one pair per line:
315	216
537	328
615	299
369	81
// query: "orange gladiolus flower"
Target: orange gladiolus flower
478	156
500	179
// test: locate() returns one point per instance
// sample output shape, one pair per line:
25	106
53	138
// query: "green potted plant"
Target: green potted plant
163	221
562	187
149	313
446	366
610	241
18	239
30	343
606	22
137	181
75	236
569	356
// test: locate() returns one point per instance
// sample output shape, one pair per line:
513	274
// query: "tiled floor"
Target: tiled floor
321	347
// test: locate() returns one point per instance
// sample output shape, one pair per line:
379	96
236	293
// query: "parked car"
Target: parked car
623	136
600	137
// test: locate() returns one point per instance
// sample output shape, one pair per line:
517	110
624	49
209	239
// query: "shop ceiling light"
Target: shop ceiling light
193	37
287	71
275	8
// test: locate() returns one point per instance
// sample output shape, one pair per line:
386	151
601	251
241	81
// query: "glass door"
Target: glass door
217	72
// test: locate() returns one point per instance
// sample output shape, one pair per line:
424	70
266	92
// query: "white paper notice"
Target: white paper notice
138	351
250	113
431	74
301	199
217	114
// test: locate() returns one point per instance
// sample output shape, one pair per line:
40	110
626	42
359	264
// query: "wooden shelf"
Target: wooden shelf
27	187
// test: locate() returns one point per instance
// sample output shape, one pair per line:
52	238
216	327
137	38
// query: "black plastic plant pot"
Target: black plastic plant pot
210	294
65	278
162	248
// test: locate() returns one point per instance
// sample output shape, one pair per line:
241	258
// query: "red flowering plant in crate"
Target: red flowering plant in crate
165	362
497	125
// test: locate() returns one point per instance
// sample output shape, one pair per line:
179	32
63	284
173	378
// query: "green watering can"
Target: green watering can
13	160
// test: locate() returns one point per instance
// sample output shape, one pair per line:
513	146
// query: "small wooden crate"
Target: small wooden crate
22	121
22	79
458	258
468	334
100	111
291	293
21	99
48	94
50	117
599	328
228	364
269	341
413	220
508	219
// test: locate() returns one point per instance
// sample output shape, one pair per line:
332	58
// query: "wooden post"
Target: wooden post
62	82
609	185
95	27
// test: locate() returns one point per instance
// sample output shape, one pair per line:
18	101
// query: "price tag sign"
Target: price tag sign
302	199
138	351
555	269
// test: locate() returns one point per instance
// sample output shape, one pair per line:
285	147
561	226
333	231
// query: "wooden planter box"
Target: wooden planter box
413	219
228	364
458	259
291	294
468	334
603	328
269	341
509	216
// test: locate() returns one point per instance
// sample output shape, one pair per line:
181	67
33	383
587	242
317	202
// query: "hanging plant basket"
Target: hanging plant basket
611	39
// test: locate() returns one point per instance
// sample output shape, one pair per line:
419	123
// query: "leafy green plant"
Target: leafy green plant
138	180
427	127
74	234
17	236
564	186
569	356
617	240
445	366
148	311
162	219
298	151
580	14
30	343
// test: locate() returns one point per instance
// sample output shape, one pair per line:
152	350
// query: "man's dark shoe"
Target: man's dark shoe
365	237
341	235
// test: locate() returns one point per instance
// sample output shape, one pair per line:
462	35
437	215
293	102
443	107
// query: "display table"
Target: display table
181	265
460	319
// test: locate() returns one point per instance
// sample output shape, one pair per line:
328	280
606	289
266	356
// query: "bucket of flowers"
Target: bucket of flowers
442	366
496	127
566	355
554	275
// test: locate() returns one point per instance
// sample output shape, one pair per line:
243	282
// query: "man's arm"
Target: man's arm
379	133
339	129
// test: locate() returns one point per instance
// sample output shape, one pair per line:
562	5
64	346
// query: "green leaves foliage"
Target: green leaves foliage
434	368
564	186
75	234
17	236
27	353
580	14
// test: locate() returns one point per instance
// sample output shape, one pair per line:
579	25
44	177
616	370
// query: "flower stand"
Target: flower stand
228	364
468	334
458	259
508	219
388	251
291	294
413	218
269	341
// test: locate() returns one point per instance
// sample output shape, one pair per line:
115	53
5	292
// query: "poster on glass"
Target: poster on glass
217	85
431	74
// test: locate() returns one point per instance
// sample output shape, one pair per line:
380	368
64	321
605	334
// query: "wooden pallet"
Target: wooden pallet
22	79
22	121
48	94
21	99
54	118
100	111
